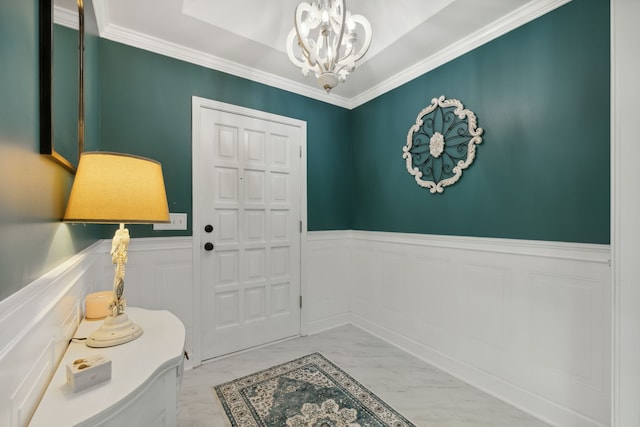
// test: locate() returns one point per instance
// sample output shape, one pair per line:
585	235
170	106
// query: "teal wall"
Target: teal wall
33	189
65	92
146	110
541	94
91	82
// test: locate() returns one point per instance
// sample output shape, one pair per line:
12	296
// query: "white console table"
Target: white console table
144	385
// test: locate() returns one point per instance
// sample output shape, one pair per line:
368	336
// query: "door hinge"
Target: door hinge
301	226
301	151
300	301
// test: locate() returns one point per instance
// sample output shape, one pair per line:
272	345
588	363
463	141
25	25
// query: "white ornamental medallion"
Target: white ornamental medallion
441	144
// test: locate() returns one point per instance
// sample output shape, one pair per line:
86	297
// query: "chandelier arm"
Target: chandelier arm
298	62
306	45
350	60
367	35
336	47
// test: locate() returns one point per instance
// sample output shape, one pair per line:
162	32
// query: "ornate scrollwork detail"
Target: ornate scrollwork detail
441	144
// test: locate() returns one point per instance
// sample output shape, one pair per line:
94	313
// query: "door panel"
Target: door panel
250	193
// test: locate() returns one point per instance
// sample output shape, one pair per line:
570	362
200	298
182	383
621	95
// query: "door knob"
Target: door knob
208	246
208	228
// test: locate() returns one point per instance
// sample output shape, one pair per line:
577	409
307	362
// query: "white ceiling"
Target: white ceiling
247	37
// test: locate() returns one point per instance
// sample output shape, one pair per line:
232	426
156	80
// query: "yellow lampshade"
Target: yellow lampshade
117	188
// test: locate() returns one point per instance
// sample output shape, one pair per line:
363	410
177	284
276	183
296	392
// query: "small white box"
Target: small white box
89	371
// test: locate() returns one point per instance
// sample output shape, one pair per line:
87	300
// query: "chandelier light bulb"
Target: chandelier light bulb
325	39
325	17
304	30
351	25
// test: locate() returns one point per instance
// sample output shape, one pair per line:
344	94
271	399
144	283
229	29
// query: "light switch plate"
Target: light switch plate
178	222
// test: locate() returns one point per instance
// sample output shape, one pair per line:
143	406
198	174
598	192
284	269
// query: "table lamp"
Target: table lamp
113	188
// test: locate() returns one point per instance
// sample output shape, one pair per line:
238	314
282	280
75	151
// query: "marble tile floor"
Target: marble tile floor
422	393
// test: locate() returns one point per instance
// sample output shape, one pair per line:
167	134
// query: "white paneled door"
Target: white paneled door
248	218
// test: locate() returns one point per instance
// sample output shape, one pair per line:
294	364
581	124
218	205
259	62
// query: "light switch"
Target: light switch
178	222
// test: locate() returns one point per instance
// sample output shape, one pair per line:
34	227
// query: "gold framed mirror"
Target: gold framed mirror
61	84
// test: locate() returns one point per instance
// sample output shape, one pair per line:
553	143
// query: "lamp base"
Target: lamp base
114	331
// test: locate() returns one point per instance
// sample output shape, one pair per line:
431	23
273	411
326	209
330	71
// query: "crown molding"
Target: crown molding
119	34
103	18
183	53
521	16
65	17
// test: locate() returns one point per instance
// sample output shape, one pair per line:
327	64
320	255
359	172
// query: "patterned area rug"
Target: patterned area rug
306	392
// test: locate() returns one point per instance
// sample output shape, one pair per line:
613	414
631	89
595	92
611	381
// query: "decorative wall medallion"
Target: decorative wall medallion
441	144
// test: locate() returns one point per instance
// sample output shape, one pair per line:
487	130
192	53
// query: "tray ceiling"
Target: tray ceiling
247	37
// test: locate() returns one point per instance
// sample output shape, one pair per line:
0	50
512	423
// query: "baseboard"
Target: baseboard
322	325
526	401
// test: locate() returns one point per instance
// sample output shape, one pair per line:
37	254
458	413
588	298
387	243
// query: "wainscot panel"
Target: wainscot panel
36	325
526	321
326	280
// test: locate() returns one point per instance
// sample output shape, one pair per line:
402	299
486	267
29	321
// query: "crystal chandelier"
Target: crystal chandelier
328	40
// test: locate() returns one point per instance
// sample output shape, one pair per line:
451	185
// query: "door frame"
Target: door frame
198	103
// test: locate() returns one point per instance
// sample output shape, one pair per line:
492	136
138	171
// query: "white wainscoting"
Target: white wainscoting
326	279
36	324
529	322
